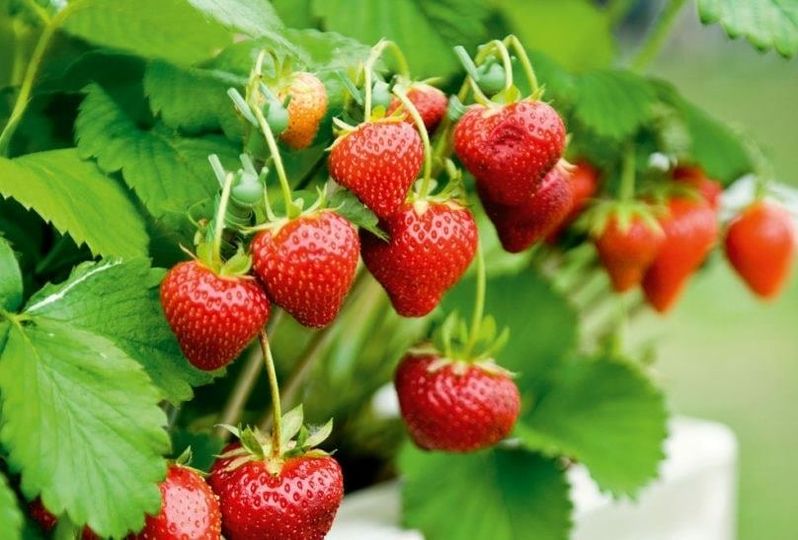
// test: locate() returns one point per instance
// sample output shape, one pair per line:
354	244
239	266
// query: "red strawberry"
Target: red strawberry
430	102
627	253
760	245
214	317
430	246
710	189
378	162
297	503
307	265
584	184
47	521
690	230
189	509
455	406
510	149
306	109
521	226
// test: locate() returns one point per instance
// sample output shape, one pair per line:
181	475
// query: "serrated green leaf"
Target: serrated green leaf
78	199
170	173
82	425
251	17
348	206
613	103
766	24
119	301
499	494
605	414
11	518
10	278
426	31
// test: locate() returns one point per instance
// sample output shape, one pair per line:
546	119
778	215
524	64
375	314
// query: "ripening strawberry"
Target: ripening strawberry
627	252
455	406
298	502
430	102
306	109
710	190
760	244
189	509
691	230
213	316
430	246
521	226
307	265
509	149
584	184
378	162
47	521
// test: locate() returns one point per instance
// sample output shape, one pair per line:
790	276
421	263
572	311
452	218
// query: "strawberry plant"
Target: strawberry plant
215	211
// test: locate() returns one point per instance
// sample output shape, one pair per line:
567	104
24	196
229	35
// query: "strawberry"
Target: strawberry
510	149
455	406
690	230
307	265
378	162
296	501
47	521
584	184
627	252
710	190
760	245
213	316
521	226
430	102
189	509
430	246
306	109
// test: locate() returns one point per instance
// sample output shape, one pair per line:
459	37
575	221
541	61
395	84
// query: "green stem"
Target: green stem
627	189
657	35
507	62
422	129
278	160
38	10
274	387
220	218
368	69
479	303
534	86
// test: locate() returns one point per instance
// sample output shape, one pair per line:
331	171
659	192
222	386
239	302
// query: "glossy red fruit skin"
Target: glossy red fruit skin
298	504
760	245
510	149
521	226
47	521
710	190
691	230
214	317
189	509
627	254
584	184
306	109
455	412
308	265
378	162
430	102
430	246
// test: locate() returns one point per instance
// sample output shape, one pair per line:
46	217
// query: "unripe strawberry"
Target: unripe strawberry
306	109
213	316
430	102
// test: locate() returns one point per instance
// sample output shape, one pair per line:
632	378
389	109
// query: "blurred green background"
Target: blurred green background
723	355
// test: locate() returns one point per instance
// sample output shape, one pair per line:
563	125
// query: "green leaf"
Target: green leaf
170	173
766	24
81	423
251	17
605	414
11	518
347	205
576	33
499	494
119	300
426	31
77	198
542	325
10	278
613	103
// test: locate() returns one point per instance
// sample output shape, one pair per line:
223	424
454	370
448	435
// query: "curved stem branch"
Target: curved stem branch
275	392
368	69
529	71
274	150
422	129
657	36
627	189
221	217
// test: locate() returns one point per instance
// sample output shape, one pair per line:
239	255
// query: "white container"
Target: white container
694	498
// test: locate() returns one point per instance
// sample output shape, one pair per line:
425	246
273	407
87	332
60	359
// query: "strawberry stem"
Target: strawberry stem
220	218
274	387
515	43
422	129
507	62
479	303
657	36
626	191
368	69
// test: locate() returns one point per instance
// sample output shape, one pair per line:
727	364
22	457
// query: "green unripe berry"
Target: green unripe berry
277	117
491	78
381	94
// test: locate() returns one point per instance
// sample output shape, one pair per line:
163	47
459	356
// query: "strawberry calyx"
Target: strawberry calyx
184	461
601	213
458	342
297	439
459	366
